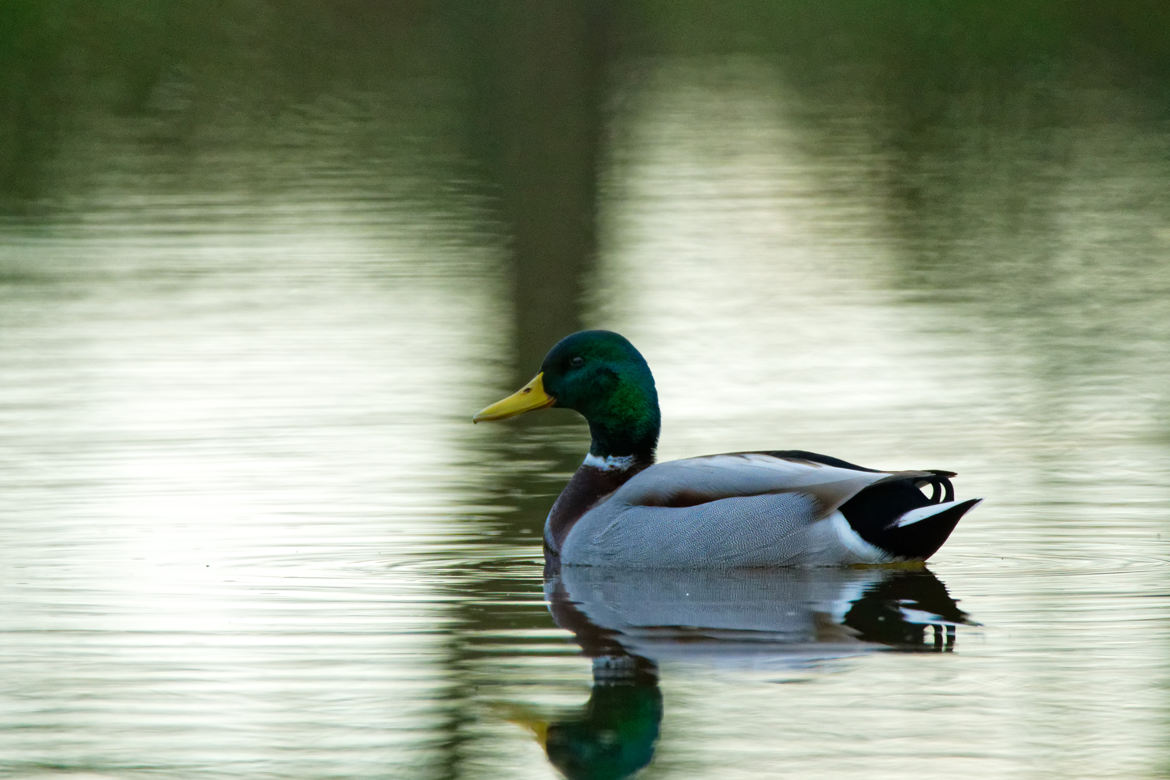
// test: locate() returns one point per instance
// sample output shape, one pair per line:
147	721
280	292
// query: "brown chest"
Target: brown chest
588	486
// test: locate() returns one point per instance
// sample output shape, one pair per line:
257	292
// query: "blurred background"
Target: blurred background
260	262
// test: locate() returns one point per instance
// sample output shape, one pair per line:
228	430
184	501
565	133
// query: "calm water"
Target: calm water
259	266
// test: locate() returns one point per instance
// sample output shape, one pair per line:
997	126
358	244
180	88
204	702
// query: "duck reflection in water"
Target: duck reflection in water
631	622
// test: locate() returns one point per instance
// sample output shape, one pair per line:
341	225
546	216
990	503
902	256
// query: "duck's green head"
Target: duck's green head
602	376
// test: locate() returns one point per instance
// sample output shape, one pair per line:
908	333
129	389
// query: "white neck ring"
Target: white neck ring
609	462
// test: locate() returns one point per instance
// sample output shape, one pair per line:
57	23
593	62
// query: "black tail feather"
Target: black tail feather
919	541
873	512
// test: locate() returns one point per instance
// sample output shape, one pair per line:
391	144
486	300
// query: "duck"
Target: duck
767	508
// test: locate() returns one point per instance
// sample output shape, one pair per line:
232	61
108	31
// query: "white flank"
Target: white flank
852	541
609	462
923	513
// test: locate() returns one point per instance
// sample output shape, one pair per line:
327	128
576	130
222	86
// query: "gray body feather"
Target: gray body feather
726	511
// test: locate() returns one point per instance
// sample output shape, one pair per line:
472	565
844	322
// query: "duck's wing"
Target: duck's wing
827	482
741	509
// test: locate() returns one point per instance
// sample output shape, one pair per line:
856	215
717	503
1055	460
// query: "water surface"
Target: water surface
258	268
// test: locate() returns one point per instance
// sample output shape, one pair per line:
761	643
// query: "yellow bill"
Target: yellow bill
526	718
527	398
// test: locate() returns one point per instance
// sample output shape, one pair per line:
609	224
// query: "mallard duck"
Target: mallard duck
768	508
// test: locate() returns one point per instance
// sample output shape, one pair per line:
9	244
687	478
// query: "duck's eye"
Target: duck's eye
577	362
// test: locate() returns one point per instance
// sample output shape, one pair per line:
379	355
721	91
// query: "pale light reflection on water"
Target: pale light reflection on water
249	531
